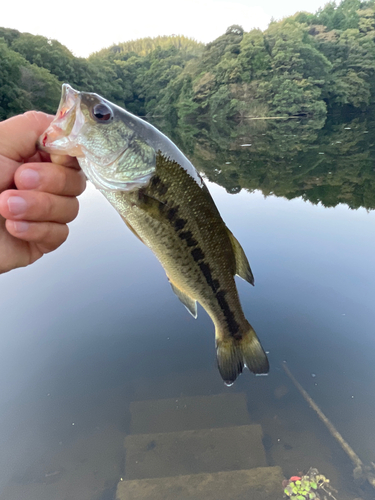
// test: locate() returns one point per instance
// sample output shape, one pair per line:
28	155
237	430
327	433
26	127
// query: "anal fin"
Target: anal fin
242	264
189	303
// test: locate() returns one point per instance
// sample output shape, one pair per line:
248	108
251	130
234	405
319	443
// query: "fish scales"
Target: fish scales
165	203
178	220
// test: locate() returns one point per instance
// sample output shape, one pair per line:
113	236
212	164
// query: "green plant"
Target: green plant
308	486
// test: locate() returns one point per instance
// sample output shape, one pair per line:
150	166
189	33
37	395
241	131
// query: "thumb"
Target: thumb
19	134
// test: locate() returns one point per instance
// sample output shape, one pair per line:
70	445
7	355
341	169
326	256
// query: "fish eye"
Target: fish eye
102	112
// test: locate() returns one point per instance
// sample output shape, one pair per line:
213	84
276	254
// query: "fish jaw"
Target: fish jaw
72	132
61	136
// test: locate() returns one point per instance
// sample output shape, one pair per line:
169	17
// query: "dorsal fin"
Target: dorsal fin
242	264
189	303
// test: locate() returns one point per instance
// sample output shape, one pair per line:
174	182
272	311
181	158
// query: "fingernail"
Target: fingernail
20	226
17	205
30	178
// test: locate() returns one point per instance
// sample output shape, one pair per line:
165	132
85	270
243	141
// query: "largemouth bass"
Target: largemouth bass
165	203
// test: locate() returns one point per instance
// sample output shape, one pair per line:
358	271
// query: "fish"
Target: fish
165	202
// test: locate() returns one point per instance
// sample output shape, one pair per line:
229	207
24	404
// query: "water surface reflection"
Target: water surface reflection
94	327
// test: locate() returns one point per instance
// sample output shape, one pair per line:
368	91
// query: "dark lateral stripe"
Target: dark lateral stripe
214	284
155	180
233	326
159	186
172	212
180	224
197	254
188	236
162	189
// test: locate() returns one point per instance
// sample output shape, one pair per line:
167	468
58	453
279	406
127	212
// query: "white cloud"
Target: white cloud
84	28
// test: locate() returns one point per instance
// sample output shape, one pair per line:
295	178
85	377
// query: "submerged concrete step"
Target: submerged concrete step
194	451
180	414
262	483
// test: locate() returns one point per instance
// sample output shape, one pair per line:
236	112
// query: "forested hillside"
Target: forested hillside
304	65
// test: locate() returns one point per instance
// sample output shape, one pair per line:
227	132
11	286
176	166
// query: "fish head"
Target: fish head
104	139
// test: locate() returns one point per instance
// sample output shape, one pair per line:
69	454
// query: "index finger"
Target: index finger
65	161
19	134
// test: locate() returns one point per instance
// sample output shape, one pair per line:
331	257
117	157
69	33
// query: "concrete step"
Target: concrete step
262	483
186	383
187	413
194	451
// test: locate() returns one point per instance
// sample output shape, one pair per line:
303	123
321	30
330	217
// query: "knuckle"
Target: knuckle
35	116
63	181
48	206
74	208
44	230
53	180
69	182
59	233
65	234
81	182
51	236
75	182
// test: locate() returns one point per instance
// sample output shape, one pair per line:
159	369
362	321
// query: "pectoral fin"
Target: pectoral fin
189	303
242	264
152	206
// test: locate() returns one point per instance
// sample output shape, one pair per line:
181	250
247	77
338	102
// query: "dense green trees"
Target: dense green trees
306	65
302	65
144	46
345	34
25	86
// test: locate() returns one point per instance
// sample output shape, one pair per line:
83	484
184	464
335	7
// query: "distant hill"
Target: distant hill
144	46
305	65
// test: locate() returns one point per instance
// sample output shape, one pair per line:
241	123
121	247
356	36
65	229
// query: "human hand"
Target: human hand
37	192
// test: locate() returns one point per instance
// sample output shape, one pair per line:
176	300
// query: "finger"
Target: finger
65	160
39	156
50	178
46	235
19	134
7	170
35	206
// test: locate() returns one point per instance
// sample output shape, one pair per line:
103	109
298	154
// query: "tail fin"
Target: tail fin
233	354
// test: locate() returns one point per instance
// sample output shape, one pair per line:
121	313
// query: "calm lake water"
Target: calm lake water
94	328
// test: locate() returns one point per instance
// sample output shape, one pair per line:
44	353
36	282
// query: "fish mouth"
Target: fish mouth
61	136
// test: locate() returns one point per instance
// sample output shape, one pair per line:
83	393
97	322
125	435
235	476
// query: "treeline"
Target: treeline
304	65
133	75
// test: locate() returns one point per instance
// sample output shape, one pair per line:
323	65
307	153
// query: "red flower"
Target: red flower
295	478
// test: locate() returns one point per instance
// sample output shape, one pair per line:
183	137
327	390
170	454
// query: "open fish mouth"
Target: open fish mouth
62	134
65	136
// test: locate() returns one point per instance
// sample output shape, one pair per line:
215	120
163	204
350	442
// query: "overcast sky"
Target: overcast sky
87	26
